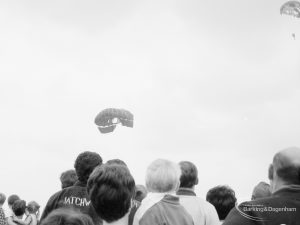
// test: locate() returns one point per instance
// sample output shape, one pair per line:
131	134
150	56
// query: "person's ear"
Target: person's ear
197	181
271	172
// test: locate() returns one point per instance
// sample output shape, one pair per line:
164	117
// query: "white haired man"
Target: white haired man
161	206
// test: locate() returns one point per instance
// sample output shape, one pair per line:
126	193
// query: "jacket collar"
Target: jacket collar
288	190
186	191
80	184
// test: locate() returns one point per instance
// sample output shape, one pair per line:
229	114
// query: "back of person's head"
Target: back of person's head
163	176
189	174
140	192
19	207
67	216
111	189
285	169
68	178
11	199
33	207
223	199
85	163
2	198
116	161
261	190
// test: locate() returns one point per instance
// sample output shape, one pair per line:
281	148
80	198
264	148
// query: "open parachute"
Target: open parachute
291	8
108	119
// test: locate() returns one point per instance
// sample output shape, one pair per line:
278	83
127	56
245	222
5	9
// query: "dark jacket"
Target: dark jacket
75	197
283	207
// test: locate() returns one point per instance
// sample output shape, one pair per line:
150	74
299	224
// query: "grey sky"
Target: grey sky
214	82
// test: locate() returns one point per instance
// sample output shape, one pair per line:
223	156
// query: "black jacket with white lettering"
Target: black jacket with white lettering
75	197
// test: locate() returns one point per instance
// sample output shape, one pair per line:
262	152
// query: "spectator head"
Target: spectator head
111	189
33	207
19	207
223	199
68	178
116	161
163	176
140	192
285	168
261	190
11	200
67	216
189	175
2	199
85	164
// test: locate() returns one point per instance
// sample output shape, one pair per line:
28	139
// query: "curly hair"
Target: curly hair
111	189
67	216
2	198
19	207
85	163
223	198
68	178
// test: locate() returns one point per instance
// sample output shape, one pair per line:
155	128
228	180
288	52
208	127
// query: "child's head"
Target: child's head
32	207
19	207
11	200
2	199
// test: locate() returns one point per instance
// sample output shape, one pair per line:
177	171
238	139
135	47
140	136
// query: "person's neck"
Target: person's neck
278	184
122	221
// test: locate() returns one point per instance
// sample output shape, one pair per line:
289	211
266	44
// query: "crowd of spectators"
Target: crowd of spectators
97	193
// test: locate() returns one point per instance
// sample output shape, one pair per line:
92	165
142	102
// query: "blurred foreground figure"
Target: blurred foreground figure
76	196
261	190
161	206
65	216
203	212
2	215
111	188
68	178
283	206
223	199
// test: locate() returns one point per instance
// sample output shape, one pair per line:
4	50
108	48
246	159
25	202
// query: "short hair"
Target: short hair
286	164
2	198
189	174
19	207
12	198
163	176
223	198
33	207
111	188
63	216
68	178
261	190
116	161
85	163
140	192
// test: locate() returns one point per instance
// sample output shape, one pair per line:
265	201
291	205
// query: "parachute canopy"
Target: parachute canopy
108	119
291	8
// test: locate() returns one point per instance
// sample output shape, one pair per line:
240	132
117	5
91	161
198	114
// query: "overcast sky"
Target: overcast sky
213	82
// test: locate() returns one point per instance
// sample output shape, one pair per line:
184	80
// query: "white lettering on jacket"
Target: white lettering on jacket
76	201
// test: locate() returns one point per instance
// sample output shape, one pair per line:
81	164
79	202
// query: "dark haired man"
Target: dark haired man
111	188
283	206
76	196
223	199
203	213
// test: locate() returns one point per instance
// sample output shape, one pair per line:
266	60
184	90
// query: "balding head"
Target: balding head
286	166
